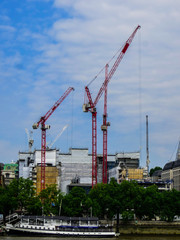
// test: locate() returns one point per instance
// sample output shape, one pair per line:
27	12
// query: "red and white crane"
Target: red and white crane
43	133
91	107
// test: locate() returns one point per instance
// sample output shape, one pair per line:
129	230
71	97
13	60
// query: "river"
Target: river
169	237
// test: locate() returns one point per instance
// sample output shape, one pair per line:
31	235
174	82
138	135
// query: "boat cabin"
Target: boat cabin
59	221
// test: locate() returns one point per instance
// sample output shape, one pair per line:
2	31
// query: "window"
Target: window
7	175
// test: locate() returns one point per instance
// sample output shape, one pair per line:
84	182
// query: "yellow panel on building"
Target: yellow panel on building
136	174
51	177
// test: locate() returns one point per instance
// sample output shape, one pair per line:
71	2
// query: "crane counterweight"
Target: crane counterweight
35	126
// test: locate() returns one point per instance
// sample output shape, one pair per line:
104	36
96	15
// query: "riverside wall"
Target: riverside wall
149	228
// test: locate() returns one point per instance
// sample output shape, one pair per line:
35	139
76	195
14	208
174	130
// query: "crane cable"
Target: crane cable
174	150
104	66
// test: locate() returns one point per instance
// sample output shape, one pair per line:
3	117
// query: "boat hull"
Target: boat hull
62	233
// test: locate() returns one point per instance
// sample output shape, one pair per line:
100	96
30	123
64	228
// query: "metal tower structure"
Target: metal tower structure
91	107
44	127
147	146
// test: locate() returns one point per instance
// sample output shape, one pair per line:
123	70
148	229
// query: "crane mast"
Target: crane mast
104	129
91	107
44	127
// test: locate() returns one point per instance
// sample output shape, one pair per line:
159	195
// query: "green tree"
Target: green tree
170	205
113	189
50	200
152	170
74	203
139	201
34	206
23	191
101	200
127	195
151	202
7	202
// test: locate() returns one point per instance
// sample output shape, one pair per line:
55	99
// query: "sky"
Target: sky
47	46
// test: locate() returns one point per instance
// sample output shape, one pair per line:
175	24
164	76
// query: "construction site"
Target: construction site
79	167
48	165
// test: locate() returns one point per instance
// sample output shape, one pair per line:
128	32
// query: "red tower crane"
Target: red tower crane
91	107
43	133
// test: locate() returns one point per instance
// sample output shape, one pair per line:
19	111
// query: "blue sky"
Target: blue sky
48	45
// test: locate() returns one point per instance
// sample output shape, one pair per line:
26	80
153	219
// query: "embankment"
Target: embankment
149	228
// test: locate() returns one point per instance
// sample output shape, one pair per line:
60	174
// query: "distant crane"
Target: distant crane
147	146
91	107
30	139
57	137
43	133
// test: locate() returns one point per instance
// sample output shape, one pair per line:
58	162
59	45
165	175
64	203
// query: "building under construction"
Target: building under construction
69	169
77	166
127	168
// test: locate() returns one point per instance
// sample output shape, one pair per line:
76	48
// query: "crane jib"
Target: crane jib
92	105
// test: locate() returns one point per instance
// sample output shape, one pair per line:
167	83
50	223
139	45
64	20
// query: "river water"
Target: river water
169	237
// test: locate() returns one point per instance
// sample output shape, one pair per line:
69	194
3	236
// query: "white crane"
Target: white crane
30	139
58	136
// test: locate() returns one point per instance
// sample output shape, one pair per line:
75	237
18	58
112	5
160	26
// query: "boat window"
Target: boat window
93	222
84	222
40	221
65	222
32	221
74	223
47	220
24	220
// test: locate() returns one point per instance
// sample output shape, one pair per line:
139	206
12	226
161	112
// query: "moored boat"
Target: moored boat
60	226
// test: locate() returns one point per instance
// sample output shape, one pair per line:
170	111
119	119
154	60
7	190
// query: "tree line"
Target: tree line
103	201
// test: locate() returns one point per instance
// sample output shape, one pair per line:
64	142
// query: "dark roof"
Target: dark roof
171	165
168	166
176	164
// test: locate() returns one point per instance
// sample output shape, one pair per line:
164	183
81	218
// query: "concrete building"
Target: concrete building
69	169
62	169
129	160
25	164
156	176
76	168
126	167
171	174
29	164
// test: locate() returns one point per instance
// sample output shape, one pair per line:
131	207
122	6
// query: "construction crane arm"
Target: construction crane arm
89	97
115	65
58	136
53	108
